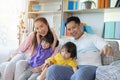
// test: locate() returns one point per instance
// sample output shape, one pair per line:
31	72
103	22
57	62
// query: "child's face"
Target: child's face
45	44
65	54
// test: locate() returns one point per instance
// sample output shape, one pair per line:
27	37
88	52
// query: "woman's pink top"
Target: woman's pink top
25	46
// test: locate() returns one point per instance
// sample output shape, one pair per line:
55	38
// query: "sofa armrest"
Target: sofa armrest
116	53
5	53
109	72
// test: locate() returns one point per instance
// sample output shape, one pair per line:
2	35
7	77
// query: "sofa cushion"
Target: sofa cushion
109	72
116	53
2	68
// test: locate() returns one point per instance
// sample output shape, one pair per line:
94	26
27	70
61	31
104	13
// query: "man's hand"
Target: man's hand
107	50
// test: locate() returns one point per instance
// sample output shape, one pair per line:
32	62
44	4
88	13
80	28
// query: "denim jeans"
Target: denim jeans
84	72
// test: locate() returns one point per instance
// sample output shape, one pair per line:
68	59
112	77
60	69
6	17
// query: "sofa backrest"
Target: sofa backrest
116	53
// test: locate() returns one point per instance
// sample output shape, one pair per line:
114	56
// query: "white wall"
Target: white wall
112	16
95	20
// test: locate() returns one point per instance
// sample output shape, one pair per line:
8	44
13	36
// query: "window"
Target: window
9	19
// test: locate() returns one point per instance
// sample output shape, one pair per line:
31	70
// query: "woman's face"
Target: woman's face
41	28
65	54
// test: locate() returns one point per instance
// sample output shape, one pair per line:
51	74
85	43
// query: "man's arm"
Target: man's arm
102	45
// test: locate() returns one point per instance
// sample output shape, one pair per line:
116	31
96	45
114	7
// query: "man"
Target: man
88	57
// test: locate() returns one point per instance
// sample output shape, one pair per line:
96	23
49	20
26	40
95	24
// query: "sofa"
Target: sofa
110	69
106	62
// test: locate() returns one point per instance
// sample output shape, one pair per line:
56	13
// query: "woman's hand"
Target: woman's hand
37	34
38	37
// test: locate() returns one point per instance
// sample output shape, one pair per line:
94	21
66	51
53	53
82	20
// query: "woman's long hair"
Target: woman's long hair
34	40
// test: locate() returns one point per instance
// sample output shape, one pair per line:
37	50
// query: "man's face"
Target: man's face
74	29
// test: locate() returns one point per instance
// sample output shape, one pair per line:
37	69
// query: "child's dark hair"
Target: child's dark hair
73	18
49	38
71	48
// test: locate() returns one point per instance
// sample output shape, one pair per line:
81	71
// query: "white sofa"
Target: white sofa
105	60
111	68
4	53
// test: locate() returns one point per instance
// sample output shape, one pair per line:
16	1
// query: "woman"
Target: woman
42	28
33	66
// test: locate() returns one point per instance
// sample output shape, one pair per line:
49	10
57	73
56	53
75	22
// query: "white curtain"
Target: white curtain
9	19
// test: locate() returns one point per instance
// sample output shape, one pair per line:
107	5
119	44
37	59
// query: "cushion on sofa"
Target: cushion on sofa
116	53
109	72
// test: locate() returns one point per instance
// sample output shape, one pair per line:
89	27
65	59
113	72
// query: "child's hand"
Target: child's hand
35	70
46	64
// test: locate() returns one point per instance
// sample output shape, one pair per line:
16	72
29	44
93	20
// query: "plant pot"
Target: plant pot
88	4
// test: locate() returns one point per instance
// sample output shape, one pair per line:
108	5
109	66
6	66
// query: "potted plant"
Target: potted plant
88	4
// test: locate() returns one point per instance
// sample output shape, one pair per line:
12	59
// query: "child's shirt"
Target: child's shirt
60	61
40	56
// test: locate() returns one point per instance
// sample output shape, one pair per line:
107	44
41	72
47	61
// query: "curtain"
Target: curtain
9	20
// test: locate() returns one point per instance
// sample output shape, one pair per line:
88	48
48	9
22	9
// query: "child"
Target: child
44	51
65	58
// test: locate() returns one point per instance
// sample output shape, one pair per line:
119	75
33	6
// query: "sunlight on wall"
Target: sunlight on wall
9	12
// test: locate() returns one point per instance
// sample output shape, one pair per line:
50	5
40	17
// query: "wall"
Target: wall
112	16
95	20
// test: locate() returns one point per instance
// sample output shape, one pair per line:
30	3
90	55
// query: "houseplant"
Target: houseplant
88	4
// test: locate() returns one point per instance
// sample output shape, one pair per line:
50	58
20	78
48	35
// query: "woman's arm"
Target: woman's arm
43	74
24	46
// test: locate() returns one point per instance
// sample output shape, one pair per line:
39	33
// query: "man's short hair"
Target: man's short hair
73	18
